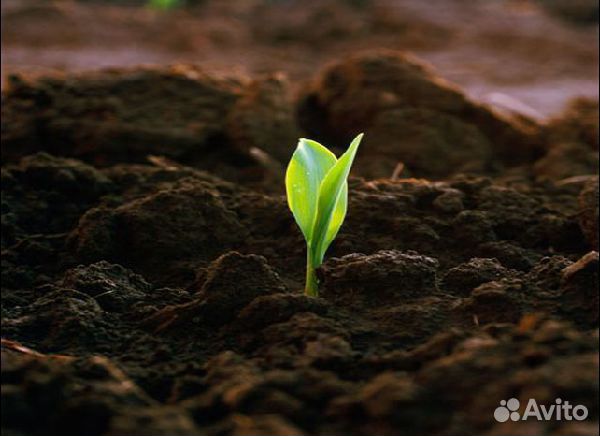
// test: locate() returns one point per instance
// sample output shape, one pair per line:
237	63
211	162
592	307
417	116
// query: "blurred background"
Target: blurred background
530	56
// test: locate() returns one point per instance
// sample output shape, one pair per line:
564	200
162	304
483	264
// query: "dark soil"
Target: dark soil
152	274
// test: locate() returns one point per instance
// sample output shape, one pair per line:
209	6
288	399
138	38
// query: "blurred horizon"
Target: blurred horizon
528	56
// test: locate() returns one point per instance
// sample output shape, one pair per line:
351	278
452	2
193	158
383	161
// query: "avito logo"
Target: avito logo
560	410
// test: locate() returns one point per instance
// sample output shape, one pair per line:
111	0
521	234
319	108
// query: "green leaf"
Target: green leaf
305	173
337	218
333	201
317	193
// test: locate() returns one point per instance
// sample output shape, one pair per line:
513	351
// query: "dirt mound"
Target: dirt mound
571	143
180	113
410	115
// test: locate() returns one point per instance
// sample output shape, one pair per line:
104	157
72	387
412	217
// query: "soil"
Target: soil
152	273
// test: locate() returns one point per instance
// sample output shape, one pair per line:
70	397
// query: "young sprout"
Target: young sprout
164	4
317	194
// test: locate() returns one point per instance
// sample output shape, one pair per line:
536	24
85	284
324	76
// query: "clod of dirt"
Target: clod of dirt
509	255
176	223
473	227
462	279
352	95
427	142
94	237
233	271
230	283
571	142
588	212
547	274
43	194
496	302
286	340
62	317
388	275
271	309
112	286
517	216
578	123
69	176
565	160
450	201
264	118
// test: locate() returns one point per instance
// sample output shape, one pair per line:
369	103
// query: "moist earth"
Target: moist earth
152	274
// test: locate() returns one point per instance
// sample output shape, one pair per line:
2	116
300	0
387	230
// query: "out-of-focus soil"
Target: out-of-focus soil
529	56
152	274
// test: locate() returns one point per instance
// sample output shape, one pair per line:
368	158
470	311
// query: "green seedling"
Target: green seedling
164	5
317	194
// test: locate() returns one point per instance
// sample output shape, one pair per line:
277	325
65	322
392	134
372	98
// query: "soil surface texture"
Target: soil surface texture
152	274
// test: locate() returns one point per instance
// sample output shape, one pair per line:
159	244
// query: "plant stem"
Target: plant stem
312	284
